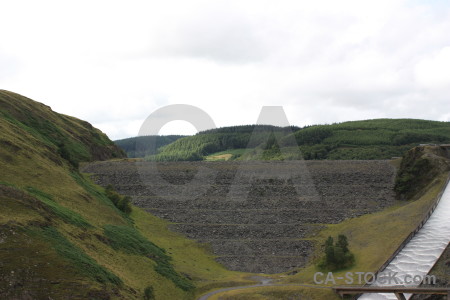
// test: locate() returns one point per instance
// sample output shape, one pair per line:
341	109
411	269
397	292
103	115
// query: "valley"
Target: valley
197	227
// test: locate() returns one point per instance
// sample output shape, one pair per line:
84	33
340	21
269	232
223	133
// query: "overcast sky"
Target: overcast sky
113	63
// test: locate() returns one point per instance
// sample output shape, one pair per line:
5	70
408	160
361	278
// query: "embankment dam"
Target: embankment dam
255	216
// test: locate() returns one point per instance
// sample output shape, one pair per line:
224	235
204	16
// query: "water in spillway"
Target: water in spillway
420	254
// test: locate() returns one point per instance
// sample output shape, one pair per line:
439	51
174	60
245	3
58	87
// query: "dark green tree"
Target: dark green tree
329	250
148	293
337	255
123	203
342	243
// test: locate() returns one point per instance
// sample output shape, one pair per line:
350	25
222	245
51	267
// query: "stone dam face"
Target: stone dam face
256	216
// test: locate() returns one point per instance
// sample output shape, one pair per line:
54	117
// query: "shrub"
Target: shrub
148	293
123	203
337	255
65	154
416	171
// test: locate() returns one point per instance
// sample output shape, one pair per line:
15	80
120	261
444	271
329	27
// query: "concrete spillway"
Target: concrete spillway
420	254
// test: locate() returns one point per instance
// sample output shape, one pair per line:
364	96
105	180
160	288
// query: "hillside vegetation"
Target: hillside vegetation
194	148
369	139
142	146
418	168
62	237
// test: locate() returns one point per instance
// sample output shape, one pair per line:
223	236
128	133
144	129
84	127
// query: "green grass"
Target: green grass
131	241
62	212
37	270
99	194
188	256
218	156
83	263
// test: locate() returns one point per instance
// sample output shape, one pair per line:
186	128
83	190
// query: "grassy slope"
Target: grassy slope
52	238
190	257
369	139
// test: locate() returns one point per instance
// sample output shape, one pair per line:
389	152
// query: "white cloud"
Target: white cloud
433	72
113	63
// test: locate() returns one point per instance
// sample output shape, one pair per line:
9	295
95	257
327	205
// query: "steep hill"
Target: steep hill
62	237
369	139
73	139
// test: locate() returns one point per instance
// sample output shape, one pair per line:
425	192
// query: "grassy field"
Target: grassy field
225	155
220	157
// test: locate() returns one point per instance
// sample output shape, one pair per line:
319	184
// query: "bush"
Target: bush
65	154
148	293
416	171
123	203
337	255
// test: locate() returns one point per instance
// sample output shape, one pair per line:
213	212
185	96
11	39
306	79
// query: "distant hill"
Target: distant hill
63	237
142	146
197	147
368	139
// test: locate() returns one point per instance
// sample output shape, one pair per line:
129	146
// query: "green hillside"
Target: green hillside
142	146
369	139
63	237
199	146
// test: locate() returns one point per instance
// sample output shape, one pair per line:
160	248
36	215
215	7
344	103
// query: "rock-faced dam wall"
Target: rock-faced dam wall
256	216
